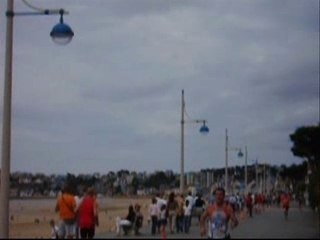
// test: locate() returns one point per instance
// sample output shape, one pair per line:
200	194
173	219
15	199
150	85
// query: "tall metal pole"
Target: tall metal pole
264	178
182	144
226	167
269	178
257	186
246	171
6	127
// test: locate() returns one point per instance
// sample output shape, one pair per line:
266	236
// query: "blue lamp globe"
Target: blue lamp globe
204	129
240	154
61	33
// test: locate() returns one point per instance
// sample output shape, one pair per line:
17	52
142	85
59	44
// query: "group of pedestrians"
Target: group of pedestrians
78	215
216	217
173	213
258	202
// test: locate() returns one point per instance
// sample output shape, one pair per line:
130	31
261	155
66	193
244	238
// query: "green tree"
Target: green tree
156	179
306	144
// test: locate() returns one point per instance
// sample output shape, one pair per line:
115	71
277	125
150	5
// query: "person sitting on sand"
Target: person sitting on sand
127	222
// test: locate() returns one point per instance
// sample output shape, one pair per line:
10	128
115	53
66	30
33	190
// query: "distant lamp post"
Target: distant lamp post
227	149
246	171
256	170
203	130
59	32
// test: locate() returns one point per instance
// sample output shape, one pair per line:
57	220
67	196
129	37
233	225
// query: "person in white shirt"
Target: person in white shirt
154	213
163	221
190	198
187	216
160	202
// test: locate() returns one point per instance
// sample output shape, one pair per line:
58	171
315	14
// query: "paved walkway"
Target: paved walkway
272	224
269	224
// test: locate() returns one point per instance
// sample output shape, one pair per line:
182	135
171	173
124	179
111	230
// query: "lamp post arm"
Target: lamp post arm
38	11
196	121
45	11
234	149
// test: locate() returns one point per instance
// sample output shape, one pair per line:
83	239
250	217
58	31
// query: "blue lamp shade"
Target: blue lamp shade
240	154
61	33
204	130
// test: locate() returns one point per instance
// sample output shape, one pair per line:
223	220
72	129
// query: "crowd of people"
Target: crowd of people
175	214
215	214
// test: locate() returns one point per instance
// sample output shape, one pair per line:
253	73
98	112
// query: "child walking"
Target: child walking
54	230
163	221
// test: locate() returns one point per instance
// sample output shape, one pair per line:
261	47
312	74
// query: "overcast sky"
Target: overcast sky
111	99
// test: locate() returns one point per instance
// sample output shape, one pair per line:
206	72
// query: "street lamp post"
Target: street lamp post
246	171
60	31
256	167
264	179
227	149
204	130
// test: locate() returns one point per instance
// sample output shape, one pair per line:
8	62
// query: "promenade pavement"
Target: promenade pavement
272	224
269	224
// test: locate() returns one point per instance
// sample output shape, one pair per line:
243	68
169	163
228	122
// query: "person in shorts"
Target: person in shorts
66	206
163	221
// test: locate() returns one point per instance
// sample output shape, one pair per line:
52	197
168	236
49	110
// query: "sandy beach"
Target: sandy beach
29	218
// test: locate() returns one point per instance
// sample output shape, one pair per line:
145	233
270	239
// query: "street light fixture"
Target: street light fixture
240	155
61	32
204	130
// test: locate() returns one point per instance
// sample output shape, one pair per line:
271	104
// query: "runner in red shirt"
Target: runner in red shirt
285	204
249	204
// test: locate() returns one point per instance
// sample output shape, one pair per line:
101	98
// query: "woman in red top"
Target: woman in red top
88	214
249	204
285	199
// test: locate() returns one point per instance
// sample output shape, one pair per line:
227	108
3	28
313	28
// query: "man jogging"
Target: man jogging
285	199
218	215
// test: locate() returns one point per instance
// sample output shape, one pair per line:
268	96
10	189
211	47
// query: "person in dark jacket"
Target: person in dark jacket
126	223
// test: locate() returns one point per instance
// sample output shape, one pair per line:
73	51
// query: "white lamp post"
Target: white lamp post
204	130
245	171
227	149
60	31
